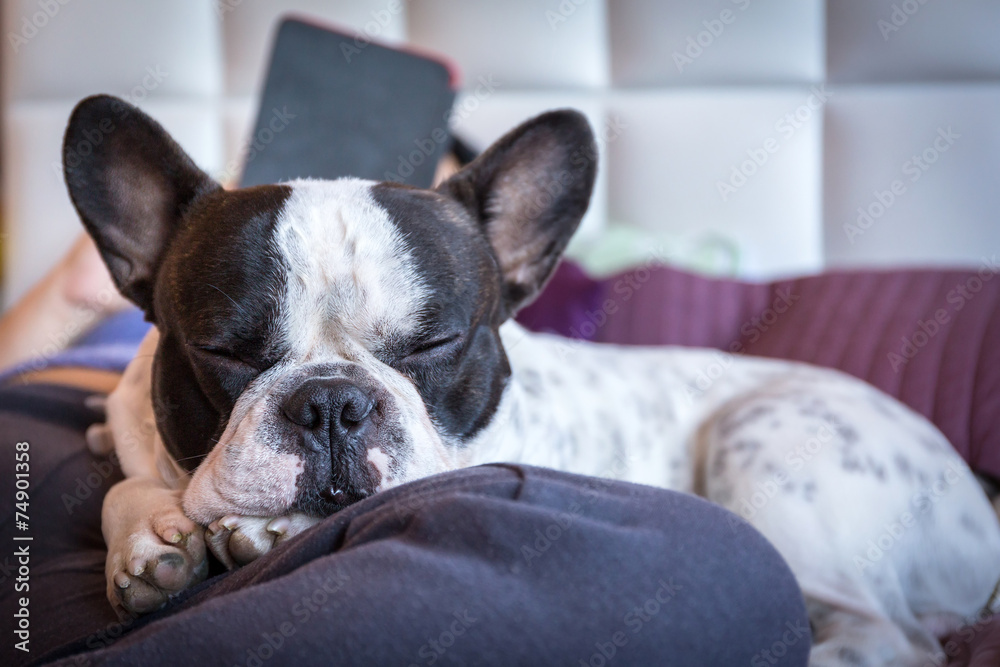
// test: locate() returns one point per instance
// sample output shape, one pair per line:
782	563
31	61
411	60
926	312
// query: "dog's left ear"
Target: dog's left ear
131	184
529	191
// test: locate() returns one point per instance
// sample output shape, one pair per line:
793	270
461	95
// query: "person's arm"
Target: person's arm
73	297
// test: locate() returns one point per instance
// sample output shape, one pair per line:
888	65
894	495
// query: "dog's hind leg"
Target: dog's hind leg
877	516
851	628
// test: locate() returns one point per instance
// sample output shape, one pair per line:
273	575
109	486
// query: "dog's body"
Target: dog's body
322	341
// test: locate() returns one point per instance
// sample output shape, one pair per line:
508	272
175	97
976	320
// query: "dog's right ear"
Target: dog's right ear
131	184
528	192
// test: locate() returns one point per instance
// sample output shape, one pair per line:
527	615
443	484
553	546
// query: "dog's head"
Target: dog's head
321	340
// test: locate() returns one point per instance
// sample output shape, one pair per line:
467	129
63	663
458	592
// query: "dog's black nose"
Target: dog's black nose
336	404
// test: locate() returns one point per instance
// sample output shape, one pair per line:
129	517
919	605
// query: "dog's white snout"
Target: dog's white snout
244	479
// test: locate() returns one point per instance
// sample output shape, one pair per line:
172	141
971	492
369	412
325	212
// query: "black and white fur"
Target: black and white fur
319	341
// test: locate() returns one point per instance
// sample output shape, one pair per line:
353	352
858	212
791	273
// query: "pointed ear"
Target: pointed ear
529	191
131	184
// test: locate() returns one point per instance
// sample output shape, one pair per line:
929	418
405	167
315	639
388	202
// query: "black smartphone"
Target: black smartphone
336	104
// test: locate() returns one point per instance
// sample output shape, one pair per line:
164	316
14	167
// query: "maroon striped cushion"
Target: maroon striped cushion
931	338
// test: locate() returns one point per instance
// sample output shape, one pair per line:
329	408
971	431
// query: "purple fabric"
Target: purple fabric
977	644
129	327
931	338
108	346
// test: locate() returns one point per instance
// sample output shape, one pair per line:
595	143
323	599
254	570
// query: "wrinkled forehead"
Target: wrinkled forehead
348	266
307	267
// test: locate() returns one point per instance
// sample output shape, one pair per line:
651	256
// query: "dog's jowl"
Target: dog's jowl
319	341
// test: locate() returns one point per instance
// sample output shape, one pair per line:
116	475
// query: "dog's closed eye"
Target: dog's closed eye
435	347
224	356
222	373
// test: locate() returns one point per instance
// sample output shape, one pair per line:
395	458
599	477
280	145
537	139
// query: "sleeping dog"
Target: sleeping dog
319	341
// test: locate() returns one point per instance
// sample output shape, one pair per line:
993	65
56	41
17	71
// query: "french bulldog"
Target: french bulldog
317	342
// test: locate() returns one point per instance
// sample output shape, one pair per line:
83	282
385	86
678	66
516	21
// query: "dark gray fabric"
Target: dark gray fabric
496	565
67	551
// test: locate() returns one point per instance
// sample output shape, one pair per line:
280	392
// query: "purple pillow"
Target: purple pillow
931	338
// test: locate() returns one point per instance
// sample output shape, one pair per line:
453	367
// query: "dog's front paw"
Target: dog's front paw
238	540
161	554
